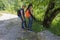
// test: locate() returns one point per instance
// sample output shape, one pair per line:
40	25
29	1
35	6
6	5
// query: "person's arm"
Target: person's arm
32	15
22	14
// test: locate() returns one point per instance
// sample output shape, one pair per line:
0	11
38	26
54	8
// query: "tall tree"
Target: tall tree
50	14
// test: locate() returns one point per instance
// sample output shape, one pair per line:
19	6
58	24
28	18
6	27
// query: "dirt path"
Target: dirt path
10	29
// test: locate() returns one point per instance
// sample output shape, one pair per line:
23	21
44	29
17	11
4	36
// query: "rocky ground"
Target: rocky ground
10	29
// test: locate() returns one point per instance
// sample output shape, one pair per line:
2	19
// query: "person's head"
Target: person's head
30	6
23	6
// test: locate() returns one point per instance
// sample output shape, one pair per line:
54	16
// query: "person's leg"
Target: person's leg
21	22
24	23
30	22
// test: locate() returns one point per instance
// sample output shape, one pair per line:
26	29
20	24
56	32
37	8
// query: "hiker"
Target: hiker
21	15
30	17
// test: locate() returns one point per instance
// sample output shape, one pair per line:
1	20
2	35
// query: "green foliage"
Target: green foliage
1	5
37	27
57	3
55	27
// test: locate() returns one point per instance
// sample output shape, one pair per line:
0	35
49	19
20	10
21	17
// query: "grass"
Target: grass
55	26
37	27
0	14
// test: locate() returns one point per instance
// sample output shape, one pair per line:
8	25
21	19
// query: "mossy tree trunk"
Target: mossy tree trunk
50	14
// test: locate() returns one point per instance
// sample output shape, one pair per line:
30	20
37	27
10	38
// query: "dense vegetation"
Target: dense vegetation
46	11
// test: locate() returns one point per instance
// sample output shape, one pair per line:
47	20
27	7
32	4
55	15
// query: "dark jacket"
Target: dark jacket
19	12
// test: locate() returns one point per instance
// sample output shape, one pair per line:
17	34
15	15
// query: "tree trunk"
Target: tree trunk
54	14
50	14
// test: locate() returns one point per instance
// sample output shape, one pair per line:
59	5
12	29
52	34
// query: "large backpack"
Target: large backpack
18	12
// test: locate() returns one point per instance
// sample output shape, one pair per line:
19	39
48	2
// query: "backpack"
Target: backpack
27	14
18	12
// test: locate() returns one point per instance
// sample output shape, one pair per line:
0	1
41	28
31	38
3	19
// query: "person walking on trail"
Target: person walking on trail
30	17
21	15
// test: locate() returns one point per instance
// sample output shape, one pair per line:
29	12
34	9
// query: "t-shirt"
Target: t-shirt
27	14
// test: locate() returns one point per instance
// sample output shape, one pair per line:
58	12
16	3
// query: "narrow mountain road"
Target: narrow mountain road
10	29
